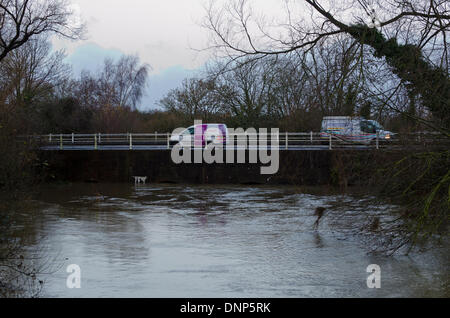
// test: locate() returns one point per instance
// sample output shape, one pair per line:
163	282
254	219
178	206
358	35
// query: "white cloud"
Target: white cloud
162	33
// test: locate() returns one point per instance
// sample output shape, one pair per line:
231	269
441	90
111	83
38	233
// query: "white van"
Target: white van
201	135
354	129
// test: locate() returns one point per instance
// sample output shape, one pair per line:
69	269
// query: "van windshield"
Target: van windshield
377	125
368	127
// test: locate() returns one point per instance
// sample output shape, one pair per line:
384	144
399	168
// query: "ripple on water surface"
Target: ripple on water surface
222	241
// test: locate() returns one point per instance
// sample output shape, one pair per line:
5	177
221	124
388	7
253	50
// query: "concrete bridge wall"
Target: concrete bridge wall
296	167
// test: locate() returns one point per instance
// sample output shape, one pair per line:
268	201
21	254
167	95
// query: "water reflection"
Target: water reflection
318	240
222	241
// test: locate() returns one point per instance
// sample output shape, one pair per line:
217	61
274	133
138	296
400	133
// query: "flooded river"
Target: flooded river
219	241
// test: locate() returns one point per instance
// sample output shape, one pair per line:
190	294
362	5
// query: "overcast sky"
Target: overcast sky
161	32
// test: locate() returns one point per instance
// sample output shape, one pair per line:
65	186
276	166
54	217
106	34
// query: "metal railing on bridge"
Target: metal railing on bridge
280	141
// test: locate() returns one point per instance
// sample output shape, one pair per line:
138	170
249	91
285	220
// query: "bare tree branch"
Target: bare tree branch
21	20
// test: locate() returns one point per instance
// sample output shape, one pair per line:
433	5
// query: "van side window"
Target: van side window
189	131
368	127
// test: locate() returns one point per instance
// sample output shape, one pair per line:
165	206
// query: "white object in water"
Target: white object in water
140	180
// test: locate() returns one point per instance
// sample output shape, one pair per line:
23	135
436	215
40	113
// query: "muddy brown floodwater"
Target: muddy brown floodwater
219	241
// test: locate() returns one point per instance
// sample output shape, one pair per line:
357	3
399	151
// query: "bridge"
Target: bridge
305	158
287	141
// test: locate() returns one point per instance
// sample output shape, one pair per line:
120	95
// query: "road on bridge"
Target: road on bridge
227	148
280	141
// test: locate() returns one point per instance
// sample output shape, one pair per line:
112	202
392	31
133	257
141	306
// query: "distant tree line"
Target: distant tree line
295	91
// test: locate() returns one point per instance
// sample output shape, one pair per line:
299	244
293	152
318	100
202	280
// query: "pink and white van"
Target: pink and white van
201	135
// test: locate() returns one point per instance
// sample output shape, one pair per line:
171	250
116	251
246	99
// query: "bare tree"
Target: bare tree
246	91
195	99
411	35
124	81
32	71
85	89
334	76
120	83
238	30
21	20
113	93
